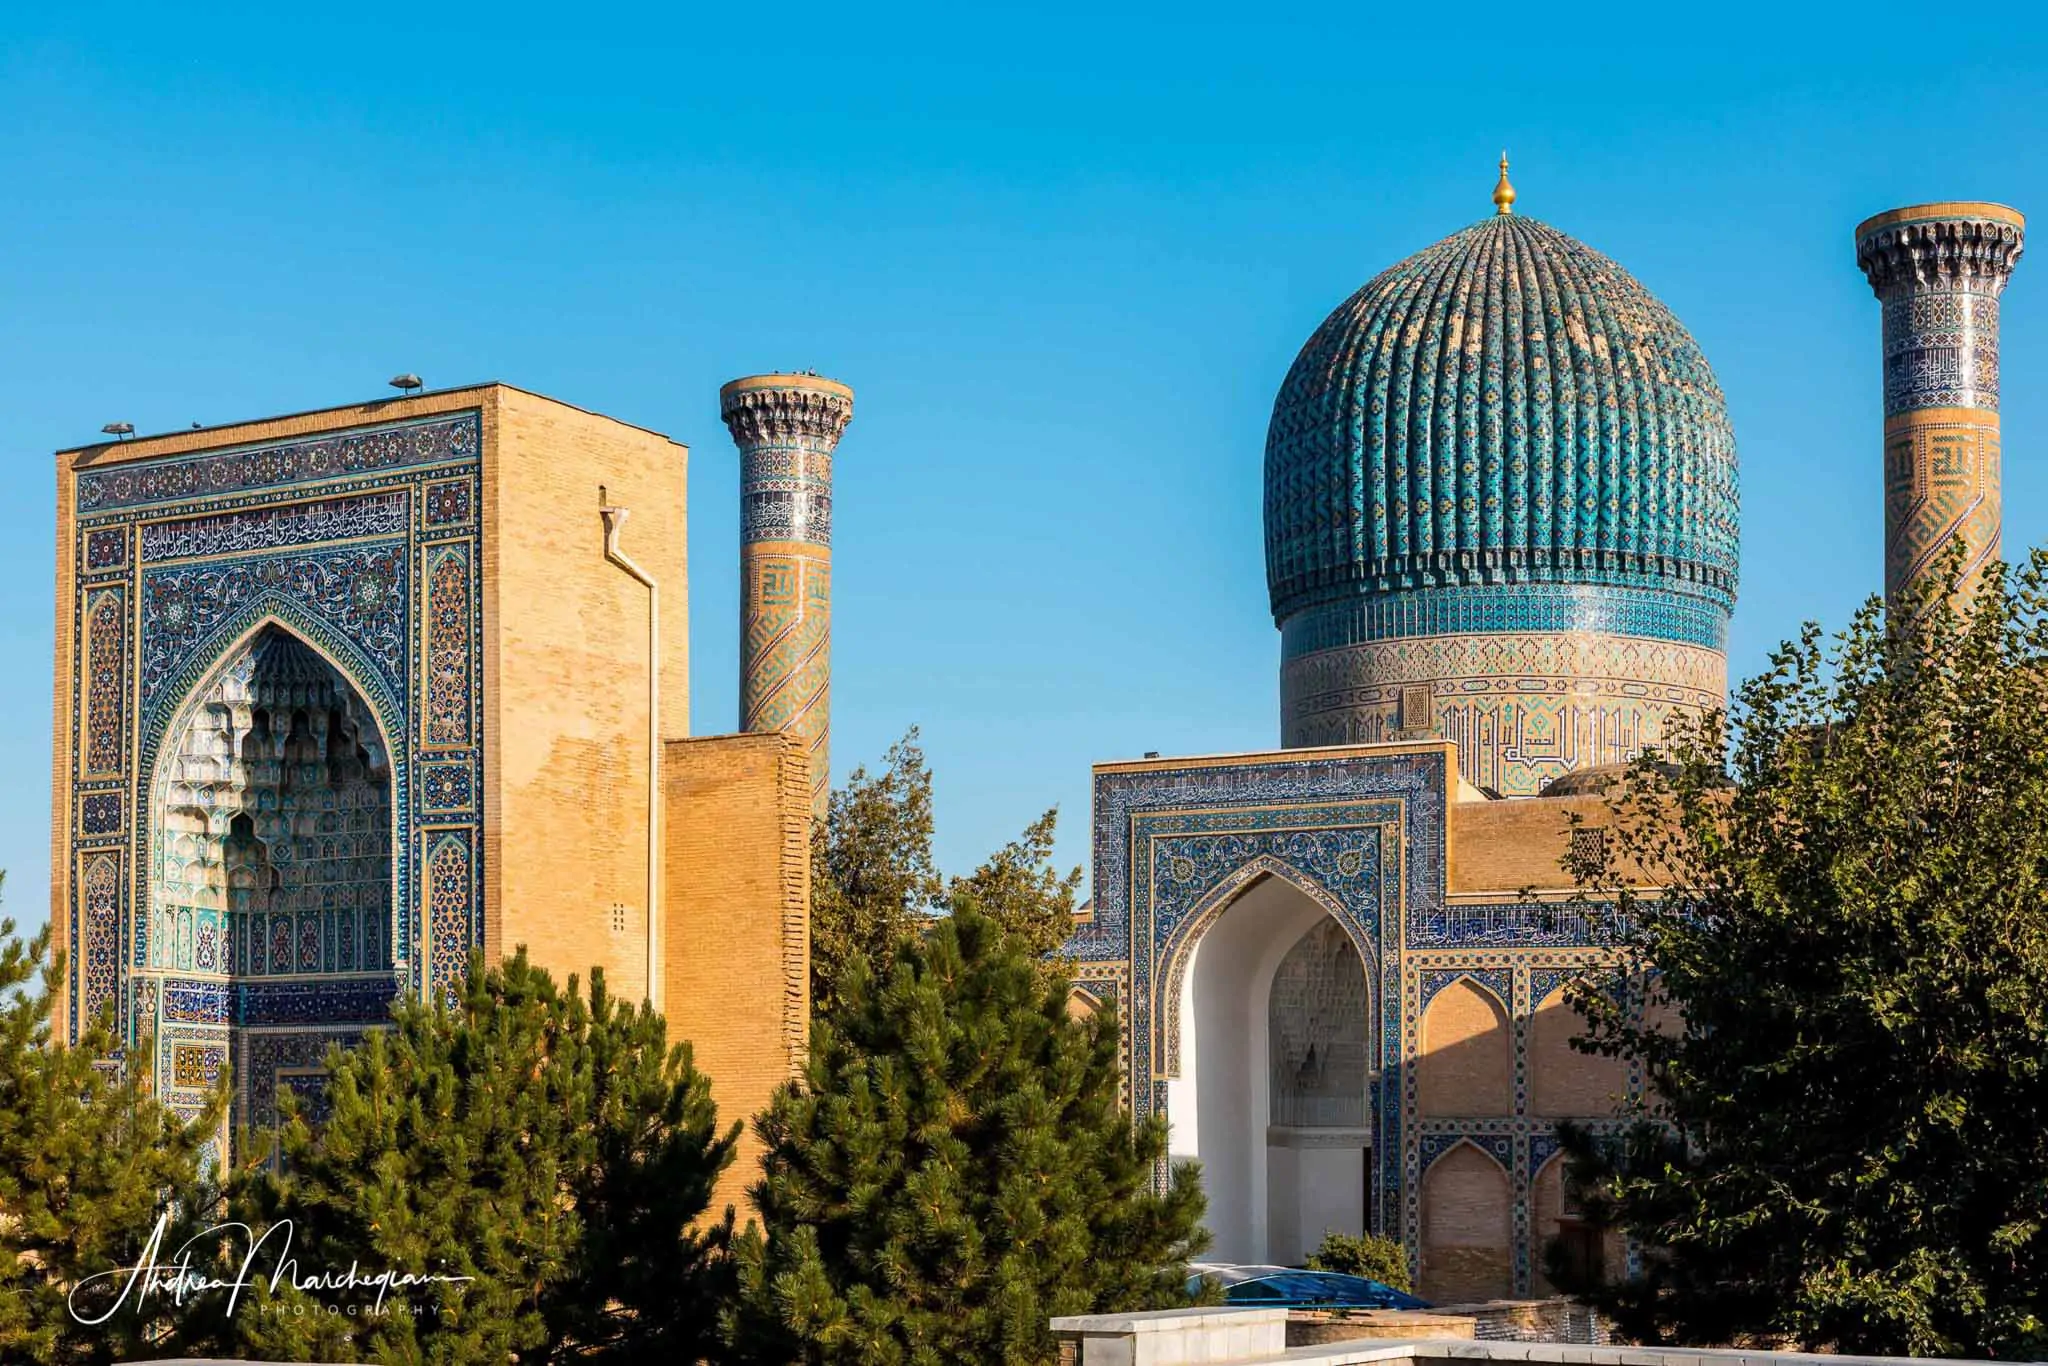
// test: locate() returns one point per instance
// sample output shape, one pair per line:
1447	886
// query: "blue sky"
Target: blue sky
1064	257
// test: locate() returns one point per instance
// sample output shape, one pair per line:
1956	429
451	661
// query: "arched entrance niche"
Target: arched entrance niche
273	813
1275	1066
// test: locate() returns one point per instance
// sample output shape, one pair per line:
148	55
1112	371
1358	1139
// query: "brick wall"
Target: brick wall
1506	846
1467	1064
1465	1228
565	679
737	933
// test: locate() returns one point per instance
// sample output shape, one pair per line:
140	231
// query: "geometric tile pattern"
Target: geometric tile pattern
1938	271
1502	446
451	901
786	428
1941	482
447	705
1506	406
106	634
99	813
1523	708
349	561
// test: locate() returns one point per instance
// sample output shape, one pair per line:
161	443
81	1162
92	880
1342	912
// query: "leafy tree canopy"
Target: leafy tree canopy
874	881
1841	998
1369	1255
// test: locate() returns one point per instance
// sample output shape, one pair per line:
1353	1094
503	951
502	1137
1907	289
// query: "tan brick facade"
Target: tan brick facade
738	950
565	681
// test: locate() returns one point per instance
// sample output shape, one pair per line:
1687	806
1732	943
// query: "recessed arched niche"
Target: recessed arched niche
273	848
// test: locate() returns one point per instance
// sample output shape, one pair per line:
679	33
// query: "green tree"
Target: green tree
89	1164
652	1270
1843	1145
551	1158
954	1168
1368	1255
1023	890
873	881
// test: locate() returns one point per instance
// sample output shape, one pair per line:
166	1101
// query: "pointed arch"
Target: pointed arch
1178	949
1563	1082
275	806
211	656
1465	1066
1555	1218
1467	1215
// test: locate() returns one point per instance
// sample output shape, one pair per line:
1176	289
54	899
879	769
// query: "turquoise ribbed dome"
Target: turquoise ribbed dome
1506	407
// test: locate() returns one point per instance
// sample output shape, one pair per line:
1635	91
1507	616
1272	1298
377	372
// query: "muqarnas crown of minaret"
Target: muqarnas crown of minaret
786	427
1938	270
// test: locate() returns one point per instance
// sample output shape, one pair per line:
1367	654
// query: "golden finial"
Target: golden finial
1504	193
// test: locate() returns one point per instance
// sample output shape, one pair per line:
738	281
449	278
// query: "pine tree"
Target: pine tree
550	1158
651	1272
873	881
1841	997
89	1163
954	1168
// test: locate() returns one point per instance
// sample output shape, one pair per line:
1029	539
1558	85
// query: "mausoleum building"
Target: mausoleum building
1501	551
346	695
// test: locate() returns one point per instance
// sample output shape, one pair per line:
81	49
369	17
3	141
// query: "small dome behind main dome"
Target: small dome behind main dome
1506	447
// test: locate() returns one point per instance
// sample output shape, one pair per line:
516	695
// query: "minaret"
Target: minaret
786	427
1938	269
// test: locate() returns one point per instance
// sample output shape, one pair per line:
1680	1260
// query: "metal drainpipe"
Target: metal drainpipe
615	518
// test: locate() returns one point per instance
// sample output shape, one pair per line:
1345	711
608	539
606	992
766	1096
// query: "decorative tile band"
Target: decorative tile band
106	642
449	897
360	450
1658	613
343	1000
332	519
1504	925
195	1002
1522	708
1941	351
100	898
448	699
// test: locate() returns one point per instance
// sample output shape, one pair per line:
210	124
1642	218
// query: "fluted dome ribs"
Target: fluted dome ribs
1507	406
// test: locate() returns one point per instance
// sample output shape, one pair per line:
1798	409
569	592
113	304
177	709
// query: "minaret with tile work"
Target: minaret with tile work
786	426
1938	270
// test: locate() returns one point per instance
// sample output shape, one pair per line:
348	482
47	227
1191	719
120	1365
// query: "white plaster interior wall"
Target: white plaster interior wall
1330	1197
1225	1050
1183	1093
